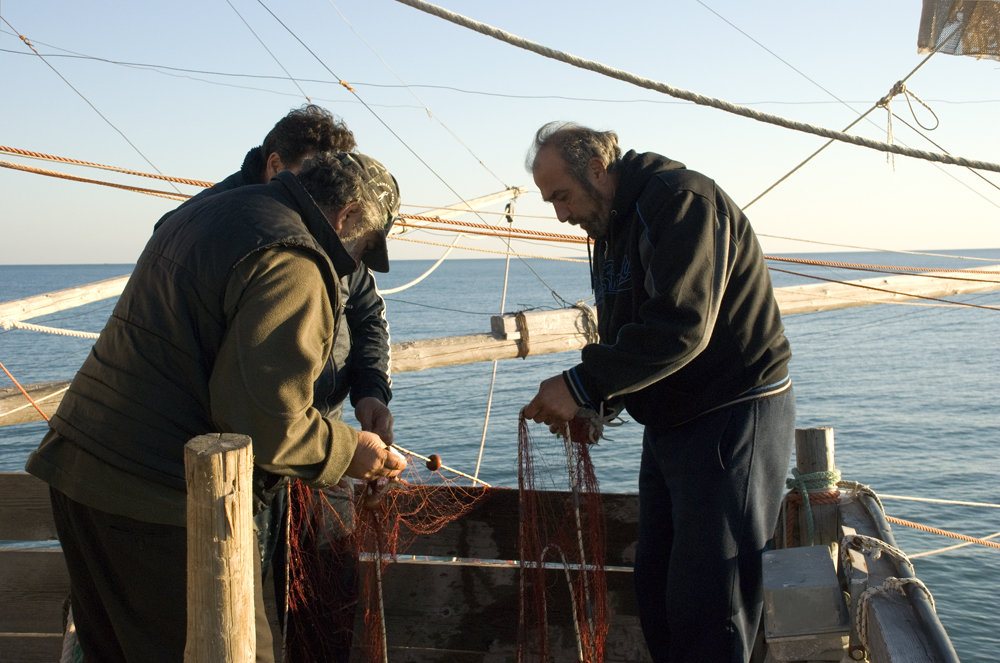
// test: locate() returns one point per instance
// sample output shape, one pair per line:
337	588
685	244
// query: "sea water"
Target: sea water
910	391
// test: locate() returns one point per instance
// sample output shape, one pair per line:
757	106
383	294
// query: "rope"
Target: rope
21	389
74	178
392	291
482	226
935	530
469	248
492	232
47	330
954	547
522	325
443	467
699	99
865	599
881	268
817	482
936	501
48	157
27	405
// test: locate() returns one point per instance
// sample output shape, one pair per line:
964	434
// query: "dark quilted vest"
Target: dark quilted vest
142	393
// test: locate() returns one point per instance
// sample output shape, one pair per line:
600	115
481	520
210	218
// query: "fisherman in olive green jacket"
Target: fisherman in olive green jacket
223	327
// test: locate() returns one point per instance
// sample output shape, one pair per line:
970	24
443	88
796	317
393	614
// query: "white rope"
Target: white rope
934	501
693	97
503	253
16	324
890	584
392	291
443	466
954	547
37	400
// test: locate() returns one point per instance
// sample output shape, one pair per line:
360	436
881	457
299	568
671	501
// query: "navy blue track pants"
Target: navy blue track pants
709	495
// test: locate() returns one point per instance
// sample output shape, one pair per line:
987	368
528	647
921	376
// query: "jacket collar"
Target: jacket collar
634	172
316	223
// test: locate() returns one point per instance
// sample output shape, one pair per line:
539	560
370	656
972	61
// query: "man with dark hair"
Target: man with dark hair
691	343
230	314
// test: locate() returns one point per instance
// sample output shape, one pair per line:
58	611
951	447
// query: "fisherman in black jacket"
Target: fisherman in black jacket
691	343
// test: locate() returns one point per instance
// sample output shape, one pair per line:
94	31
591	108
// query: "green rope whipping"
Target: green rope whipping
812	481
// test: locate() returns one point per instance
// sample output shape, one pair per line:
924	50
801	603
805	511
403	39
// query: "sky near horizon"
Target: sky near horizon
208	91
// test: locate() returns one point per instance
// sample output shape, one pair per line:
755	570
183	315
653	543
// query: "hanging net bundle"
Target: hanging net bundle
562	552
340	546
961	27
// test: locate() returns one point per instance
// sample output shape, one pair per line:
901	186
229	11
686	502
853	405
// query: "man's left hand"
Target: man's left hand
374	416
553	404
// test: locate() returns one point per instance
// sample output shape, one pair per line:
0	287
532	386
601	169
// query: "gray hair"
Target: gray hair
334	180
577	145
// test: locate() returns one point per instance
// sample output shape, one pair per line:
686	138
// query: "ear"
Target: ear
597	170
346	217
273	166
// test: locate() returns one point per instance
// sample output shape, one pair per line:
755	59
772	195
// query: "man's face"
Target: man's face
574	203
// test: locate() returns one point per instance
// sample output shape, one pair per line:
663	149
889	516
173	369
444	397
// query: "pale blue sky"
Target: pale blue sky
189	125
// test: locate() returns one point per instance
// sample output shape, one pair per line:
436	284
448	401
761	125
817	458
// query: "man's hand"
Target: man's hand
553	404
374	416
373	459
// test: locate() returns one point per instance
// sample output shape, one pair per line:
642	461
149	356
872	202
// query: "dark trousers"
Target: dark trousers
128	580
709	494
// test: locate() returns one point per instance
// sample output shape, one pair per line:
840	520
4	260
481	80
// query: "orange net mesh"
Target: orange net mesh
326	542
570	535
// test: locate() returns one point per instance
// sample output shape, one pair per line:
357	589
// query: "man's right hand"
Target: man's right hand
373	459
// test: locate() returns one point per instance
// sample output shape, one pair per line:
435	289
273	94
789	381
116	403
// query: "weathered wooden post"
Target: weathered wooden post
814	453
220	550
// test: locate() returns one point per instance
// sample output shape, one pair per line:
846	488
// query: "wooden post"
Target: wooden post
220	550
814	453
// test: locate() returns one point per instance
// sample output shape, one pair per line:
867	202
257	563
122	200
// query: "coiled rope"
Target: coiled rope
693	97
890	584
818	483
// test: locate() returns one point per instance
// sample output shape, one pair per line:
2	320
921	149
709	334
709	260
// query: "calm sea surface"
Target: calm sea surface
911	392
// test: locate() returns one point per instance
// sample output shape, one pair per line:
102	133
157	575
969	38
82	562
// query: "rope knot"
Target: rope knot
897	89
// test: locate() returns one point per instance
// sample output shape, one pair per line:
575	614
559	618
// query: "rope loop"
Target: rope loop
522	326
815	482
890	584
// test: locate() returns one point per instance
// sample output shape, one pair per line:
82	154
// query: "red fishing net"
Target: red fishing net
568	537
329	534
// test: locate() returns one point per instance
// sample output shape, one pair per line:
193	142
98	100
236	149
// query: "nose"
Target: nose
562	212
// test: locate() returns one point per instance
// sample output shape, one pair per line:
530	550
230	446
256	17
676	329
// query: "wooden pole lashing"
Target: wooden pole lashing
220	550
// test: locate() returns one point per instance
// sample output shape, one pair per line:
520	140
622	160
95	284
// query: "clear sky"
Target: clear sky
492	97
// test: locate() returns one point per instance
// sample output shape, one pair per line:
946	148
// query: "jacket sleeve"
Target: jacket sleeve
686	251
279	332
370	352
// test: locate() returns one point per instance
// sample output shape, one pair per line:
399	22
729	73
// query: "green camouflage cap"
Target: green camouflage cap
384	191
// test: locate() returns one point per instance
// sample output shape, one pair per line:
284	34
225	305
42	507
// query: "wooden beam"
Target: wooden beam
567	329
52	302
832	296
15	408
27	512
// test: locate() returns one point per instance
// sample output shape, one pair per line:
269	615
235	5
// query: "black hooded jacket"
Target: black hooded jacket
687	316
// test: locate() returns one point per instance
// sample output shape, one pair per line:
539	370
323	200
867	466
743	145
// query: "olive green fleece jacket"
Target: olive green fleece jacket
281	327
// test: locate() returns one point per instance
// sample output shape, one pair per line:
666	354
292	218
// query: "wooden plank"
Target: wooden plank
27	513
34	584
471	614
60	300
490	529
15	408
832	296
35	648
